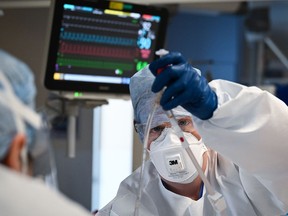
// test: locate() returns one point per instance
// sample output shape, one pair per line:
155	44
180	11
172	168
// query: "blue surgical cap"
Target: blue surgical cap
143	100
21	80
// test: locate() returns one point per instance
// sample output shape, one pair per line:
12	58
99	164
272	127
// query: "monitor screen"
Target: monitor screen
96	46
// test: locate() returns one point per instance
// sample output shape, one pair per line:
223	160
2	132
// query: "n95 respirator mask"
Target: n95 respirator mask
171	159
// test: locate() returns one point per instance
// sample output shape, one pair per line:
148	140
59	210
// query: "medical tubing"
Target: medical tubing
144	155
216	199
145	145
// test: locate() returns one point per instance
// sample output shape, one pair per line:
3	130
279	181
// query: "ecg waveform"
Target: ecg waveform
98	28
98	39
103	21
98	51
73	62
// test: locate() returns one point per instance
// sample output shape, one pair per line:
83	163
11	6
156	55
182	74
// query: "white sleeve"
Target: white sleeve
249	127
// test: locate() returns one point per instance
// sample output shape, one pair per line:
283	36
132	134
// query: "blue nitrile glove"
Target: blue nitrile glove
185	86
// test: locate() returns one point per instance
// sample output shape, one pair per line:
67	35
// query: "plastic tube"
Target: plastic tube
216	199
144	158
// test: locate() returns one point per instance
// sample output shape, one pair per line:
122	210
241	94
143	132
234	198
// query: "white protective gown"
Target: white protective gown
248	164
23	196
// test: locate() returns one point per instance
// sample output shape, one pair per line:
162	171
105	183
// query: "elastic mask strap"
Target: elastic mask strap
17	118
20	110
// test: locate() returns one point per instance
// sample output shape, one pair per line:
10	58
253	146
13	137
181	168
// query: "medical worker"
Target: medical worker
22	153
242	150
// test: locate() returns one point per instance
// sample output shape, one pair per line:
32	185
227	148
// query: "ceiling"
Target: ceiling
46	3
186	1
211	6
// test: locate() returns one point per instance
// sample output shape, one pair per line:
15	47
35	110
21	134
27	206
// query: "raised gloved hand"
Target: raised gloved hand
185	86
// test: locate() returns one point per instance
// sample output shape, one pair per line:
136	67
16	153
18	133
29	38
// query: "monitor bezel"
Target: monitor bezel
95	88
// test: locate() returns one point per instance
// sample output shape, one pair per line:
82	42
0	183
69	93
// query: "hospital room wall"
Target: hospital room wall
23	34
211	42
218	43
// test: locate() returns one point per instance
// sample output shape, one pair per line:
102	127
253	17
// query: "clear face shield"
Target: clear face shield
167	153
183	121
36	156
165	147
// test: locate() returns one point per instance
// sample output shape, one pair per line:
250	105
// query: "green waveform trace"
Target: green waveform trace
94	64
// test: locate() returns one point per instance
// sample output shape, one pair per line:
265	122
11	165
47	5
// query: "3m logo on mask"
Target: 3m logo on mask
174	163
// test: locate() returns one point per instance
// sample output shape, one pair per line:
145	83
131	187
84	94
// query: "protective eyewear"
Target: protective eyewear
184	122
